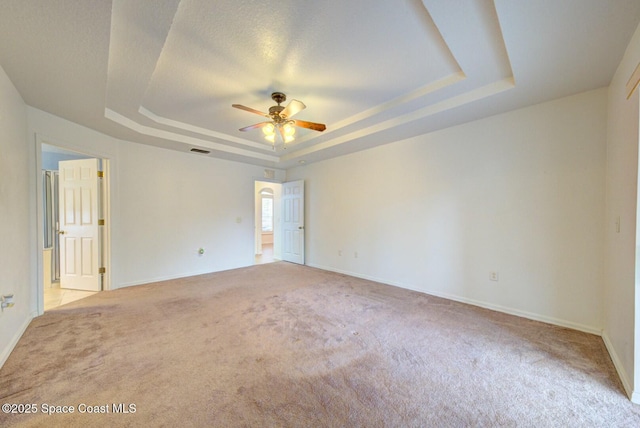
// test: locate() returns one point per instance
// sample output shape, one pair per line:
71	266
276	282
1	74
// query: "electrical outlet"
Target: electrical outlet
340	252
6	301
493	275
355	255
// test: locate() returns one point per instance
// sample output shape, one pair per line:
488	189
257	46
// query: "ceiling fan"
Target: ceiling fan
280	119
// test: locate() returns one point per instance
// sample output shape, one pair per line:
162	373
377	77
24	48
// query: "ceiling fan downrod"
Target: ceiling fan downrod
275	111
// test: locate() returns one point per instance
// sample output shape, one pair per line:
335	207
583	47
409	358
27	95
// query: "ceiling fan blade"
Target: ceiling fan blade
294	107
249	109
256	126
310	125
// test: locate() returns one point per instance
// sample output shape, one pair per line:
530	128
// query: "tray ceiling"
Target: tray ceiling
166	72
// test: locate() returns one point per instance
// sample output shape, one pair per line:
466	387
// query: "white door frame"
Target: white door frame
277	226
108	167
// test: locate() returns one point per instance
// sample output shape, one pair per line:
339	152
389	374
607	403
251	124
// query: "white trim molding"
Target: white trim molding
14	340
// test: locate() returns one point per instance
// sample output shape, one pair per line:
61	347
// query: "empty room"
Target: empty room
248	213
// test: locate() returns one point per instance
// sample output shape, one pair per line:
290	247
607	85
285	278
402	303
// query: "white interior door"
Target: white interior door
79	232
293	221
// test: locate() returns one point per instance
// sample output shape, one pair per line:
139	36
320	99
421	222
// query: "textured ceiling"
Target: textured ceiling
165	72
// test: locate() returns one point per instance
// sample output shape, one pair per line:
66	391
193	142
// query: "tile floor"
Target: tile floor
55	296
267	255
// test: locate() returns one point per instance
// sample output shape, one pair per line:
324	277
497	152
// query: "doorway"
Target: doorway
60	253
267	222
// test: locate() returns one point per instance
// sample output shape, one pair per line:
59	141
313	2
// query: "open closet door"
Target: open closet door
293	221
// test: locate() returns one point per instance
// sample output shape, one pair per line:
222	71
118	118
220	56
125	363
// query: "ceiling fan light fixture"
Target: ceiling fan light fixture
288	129
269	129
280	120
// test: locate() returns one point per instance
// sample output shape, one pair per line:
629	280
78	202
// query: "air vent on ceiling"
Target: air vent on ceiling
204	152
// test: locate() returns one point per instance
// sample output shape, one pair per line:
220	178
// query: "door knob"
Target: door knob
61	232
300	227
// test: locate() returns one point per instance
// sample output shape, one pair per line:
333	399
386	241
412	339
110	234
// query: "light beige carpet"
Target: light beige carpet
287	345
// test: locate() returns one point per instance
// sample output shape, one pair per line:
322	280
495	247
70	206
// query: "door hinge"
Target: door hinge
101	222
102	270
100	174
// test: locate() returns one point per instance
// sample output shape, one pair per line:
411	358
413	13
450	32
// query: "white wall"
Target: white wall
521	193
620	297
166	205
174	203
15	250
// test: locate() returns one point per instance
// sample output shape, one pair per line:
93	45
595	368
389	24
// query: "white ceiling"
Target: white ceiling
165	72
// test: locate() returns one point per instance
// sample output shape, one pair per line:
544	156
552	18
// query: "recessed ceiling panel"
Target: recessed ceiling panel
339	58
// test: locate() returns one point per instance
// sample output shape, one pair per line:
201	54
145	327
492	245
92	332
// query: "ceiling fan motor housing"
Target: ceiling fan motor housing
274	112
278	97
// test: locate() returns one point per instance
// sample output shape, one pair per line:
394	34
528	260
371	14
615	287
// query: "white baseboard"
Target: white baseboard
622	373
14	340
511	311
157	279
524	314
178	276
